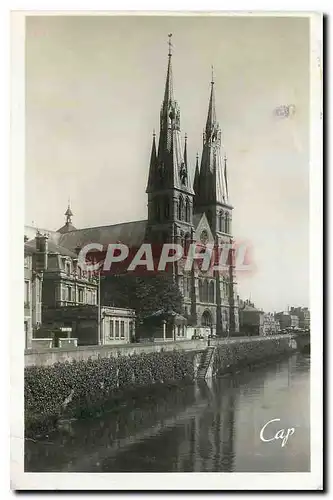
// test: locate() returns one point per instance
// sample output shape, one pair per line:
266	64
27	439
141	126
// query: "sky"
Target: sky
94	87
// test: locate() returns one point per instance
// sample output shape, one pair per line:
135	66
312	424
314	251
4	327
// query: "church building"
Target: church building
182	208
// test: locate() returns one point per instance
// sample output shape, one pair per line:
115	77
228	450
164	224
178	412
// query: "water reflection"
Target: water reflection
204	427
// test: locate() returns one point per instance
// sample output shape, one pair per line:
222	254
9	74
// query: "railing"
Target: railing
45	343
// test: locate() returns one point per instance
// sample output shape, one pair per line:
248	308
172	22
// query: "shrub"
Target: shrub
247	352
87	385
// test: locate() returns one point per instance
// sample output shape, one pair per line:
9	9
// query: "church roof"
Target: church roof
52	248
250	308
129	233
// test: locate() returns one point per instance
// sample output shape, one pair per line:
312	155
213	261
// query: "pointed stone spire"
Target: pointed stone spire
170	188
212	187
171	166
168	92
211	117
168	111
153	165
196	175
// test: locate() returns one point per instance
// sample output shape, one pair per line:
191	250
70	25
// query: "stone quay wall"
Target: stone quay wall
232	350
235	352
47	357
73	381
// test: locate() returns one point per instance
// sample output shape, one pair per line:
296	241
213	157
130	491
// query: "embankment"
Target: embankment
83	386
80	388
234	354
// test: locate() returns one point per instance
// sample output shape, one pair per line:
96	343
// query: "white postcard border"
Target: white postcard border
162	481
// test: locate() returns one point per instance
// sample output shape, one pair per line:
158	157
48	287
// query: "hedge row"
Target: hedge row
74	388
233	354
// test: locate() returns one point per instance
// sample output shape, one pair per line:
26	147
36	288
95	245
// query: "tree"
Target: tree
145	294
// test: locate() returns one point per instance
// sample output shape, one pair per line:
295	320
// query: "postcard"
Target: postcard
169	238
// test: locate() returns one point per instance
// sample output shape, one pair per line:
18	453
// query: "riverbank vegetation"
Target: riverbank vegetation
231	356
82	388
86	388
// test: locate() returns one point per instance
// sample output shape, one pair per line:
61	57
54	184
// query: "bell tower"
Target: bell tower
169	189
212	198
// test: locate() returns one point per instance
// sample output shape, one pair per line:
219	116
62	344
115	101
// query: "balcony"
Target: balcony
66	303
69	303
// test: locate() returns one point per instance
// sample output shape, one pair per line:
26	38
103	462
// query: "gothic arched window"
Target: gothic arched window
187	210
181	209
200	291
187	241
221	221
182	238
189	285
205	291
211	292
227	223
226	289
206	319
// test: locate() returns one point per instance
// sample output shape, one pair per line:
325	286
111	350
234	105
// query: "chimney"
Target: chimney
41	251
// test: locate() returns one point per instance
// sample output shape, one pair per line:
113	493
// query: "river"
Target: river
211	426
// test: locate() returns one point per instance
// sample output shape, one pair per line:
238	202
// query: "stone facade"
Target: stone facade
251	319
303	314
182	212
270	325
32	295
59	294
117	325
287	320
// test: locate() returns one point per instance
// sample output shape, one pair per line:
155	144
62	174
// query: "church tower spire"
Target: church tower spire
211	117
69	213
153	165
169	189
212	198
168	91
196	176
68	224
